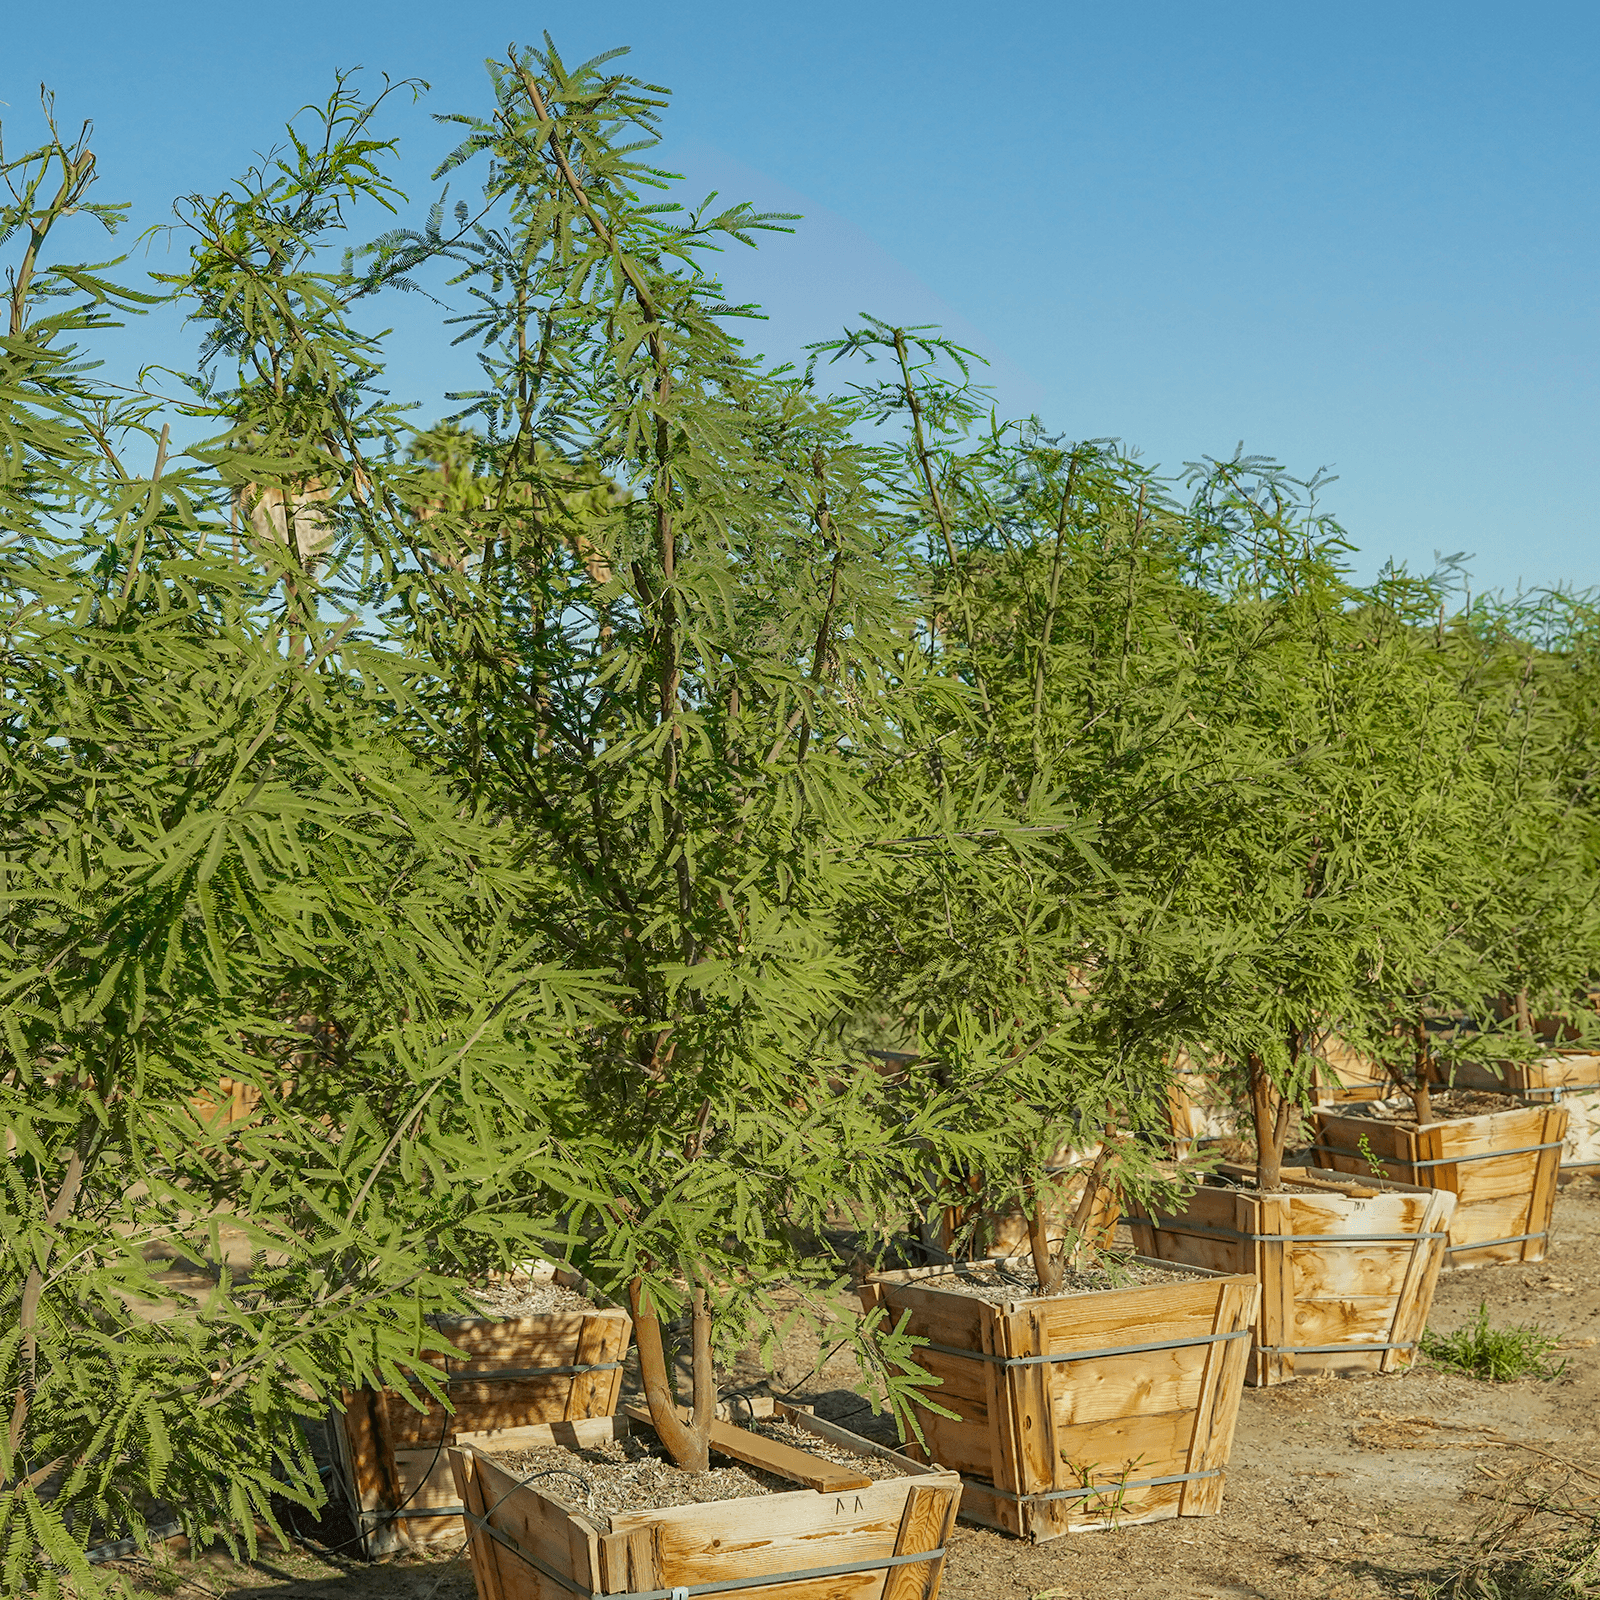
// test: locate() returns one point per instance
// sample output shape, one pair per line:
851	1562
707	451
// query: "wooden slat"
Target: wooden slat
802	1418
1192	1498
485	1553
1005	1455
981	1503
1158	1503
425	1483
630	1562
374	1471
1355	1319
371	1453
1541	1201
1139	1445
579	1435
1509	1177
798	1466
1027	1396
1145	1314
729	1539
1339	1272
1567	1069
522	1341
1201	1250
1415	1298
598	1341
924	1525
1222	1387
541	1523
1107	1387
1274	1268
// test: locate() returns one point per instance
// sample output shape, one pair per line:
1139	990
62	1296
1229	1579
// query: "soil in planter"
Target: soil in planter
521	1298
1000	1285
636	1474
1448	1106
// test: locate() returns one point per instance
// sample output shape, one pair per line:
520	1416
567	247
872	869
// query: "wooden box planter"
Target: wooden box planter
1347	1075
512	1374
1198	1111
1347	1271
1500	1166
851	1539
1569	1078
1080	1411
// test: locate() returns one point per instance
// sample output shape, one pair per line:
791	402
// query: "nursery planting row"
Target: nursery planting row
1108	1404
809	857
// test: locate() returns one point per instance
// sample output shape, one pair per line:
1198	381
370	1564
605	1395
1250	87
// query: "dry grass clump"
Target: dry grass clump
1536	1543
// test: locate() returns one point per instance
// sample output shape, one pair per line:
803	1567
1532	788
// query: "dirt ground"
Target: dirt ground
1340	1489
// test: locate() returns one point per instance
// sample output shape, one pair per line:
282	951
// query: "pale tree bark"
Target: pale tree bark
687	1442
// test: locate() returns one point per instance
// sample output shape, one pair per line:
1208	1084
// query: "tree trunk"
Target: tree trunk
1421	1091
1524	1017
1269	1112
686	1442
1047	1268
1083	1215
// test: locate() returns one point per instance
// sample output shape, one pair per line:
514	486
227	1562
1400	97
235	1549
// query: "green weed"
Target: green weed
1372	1160
1496	1355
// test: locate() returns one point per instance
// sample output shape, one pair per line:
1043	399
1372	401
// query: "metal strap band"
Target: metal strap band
1081	1494
1516	1238
1331	1349
723	1586
1084	1355
1437	1161
1178	1225
507	1374
119	1548
426	1511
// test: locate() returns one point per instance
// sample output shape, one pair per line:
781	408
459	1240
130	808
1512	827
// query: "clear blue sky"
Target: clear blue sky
1360	235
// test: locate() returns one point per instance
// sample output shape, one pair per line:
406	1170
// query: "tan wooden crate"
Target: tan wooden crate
1347	1271
512	1374
1570	1078
1080	1411
1501	1167
1197	1108
873	1541
228	1102
1347	1075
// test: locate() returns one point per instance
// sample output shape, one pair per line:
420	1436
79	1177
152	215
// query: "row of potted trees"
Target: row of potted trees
717	826
1137	776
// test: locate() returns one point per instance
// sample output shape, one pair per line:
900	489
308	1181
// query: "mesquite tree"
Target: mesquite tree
1540	934
1054	587
1317	856
218	864
667	645
1514	937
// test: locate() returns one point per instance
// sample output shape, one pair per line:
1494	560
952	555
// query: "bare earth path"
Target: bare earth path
1339	1489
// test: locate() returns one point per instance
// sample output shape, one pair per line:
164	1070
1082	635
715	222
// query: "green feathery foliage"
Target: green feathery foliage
218	864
